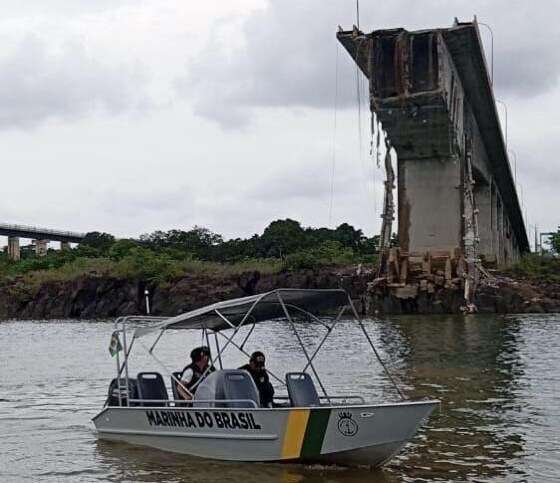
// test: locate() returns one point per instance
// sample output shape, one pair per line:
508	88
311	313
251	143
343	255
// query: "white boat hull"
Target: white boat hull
347	435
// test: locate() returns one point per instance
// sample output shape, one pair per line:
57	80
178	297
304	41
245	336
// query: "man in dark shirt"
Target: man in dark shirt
256	368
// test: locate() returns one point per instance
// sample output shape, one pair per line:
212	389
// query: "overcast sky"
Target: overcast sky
129	116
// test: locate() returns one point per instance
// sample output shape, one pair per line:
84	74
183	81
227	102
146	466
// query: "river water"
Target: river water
498	379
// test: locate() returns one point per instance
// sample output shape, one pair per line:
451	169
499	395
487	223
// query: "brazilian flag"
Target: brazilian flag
115	344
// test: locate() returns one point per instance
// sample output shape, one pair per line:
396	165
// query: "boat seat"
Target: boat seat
227	384
113	396
151	386
301	390
238	384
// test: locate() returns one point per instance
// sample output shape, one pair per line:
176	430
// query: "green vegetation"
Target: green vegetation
163	256
544	267
540	268
555	242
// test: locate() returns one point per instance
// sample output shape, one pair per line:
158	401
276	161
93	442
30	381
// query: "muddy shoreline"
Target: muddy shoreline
103	297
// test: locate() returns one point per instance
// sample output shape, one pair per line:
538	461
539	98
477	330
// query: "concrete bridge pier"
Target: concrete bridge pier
41	247
486	220
64	245
14	252
498	243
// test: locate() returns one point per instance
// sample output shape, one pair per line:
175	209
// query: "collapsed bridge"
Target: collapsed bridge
456	194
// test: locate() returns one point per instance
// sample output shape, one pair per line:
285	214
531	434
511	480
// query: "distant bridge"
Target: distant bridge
37	233
41	237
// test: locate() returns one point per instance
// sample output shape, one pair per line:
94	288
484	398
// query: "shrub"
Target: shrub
327	253
544	268
122	248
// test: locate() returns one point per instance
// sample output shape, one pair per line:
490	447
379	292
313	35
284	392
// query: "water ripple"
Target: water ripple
497	377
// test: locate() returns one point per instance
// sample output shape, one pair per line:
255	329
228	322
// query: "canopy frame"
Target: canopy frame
301	344
121	327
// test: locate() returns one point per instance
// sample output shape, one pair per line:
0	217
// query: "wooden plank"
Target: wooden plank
409	291
427	263
448	272
461	266
394	263
404	270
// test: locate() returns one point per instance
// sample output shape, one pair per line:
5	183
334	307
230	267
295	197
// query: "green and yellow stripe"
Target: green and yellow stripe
305	431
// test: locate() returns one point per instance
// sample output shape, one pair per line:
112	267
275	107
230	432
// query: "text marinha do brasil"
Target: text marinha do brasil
202	419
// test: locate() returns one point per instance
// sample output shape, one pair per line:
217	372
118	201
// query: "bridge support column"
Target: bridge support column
500	251
14	252
41	247
64	246
429	205
486	221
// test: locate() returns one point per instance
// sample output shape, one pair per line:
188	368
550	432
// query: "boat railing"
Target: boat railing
359	399
196	402
249	402
350	397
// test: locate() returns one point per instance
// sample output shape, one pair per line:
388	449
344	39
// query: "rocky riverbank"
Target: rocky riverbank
499	294
103	297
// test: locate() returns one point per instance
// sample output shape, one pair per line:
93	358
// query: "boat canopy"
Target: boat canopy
255	308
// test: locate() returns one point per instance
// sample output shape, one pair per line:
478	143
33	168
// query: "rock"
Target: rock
94	296
535	309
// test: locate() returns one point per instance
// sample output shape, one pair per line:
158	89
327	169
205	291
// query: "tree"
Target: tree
370	246
282	237
316	236
348	236
121	248
237	249
555	242
99	240
198	241
156	239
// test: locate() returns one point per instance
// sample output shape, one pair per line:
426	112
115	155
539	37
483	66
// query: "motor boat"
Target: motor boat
224	420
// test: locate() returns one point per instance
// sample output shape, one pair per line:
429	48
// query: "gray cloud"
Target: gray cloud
288	51
309	181
142	202
527	70
65	7
287	59
39	83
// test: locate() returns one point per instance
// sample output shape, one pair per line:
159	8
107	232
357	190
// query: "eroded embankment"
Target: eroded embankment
498	294
101	297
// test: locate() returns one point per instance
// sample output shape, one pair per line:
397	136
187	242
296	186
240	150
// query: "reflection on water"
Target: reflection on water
498	380
130	463
473	364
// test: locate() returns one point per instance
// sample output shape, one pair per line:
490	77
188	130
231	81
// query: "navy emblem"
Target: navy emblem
346	425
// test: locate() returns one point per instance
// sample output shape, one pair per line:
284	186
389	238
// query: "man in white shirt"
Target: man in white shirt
192	374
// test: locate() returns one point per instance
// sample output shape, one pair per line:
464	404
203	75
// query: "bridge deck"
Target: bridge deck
37	233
